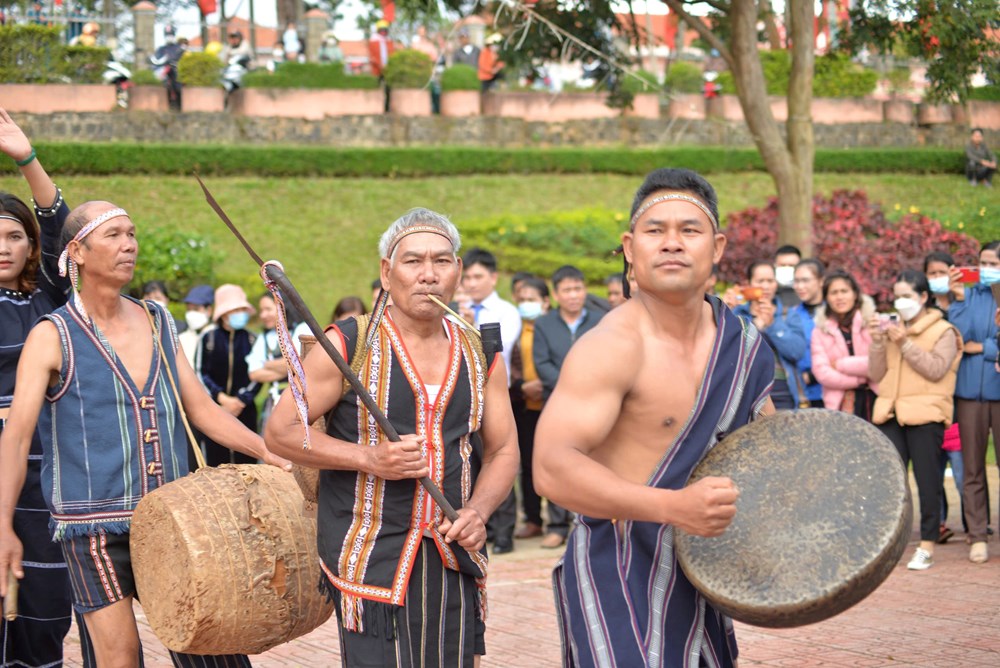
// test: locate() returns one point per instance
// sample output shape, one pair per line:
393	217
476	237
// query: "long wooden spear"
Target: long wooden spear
278	276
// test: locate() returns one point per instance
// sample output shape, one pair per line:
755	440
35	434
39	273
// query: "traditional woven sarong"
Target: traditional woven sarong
371	530
621	597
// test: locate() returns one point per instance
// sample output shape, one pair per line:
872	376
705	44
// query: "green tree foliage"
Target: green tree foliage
408	68
199	69
956	37
683	77
460	77
176	257
835	76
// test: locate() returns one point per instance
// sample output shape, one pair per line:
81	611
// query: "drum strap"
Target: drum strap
173	385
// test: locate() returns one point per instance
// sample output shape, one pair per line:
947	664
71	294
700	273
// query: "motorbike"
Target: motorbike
121	77
233	73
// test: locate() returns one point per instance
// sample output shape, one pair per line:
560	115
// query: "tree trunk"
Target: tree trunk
770	25
789	164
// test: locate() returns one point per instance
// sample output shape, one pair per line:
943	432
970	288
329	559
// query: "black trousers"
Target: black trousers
526	421
921	444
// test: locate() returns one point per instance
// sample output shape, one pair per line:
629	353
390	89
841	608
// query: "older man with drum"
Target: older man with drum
641	399
408	584
102	378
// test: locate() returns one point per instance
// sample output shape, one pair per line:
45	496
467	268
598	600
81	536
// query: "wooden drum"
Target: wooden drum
823	516
225	561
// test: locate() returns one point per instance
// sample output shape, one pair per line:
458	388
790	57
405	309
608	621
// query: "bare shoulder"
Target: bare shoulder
42	348
612	348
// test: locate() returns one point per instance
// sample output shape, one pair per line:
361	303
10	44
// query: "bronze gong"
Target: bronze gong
823	516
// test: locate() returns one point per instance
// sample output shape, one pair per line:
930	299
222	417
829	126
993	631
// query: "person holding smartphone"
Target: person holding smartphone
915	362
782	329
977	394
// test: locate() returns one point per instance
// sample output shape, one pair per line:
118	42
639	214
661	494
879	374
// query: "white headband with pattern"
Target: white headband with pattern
68	266
674	196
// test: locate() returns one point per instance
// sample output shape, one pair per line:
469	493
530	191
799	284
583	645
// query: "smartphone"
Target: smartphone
887	319
752	294
968	274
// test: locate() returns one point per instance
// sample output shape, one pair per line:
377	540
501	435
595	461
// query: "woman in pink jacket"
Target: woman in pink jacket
840	343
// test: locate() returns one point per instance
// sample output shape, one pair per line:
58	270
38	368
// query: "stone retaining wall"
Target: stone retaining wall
387	130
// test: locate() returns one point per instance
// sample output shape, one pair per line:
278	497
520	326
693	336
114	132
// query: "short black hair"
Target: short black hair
519	277
817	267
536	283
477	255
991	246
758	263
613	278
376	284
566	272
155	286
680	180
915	278
979	130
788	249
938	256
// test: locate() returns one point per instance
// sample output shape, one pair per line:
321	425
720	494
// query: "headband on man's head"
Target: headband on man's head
68	266
416	229
674	196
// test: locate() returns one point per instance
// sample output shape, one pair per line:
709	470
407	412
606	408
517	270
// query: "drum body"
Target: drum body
225	561
824	515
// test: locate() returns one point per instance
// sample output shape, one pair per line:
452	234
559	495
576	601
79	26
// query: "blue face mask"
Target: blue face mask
529	310
939	285
238	320
989	275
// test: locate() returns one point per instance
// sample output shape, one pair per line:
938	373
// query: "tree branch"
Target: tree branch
700	27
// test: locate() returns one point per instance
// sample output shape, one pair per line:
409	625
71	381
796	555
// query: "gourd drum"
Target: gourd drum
823	516
225	561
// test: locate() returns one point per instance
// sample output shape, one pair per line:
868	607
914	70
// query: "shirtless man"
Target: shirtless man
617	441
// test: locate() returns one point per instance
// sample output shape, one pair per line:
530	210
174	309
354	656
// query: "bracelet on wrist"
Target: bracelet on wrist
27	161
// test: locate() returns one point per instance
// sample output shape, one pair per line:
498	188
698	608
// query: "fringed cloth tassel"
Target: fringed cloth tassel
358	615
296	374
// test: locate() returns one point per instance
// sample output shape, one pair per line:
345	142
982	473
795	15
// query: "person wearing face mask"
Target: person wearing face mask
937	266
782	329
222	366
808	283
916	364
198	318
526	397
977	394
786	259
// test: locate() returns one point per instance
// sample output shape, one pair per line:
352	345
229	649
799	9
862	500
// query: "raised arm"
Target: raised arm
578	418
15	145
40	360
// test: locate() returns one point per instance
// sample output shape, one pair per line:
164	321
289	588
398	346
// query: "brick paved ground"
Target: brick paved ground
947	616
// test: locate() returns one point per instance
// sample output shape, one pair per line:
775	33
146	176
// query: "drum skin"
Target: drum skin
823	517
225	561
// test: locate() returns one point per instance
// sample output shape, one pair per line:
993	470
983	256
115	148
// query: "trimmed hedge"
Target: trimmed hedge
127	158
32	53
309	75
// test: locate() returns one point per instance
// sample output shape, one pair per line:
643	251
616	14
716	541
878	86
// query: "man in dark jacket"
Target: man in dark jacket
555	333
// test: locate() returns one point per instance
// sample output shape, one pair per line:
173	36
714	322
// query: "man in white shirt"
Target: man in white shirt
479	280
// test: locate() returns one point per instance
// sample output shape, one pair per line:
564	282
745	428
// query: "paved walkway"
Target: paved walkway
947	616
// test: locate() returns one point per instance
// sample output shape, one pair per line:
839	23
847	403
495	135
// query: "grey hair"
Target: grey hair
418	217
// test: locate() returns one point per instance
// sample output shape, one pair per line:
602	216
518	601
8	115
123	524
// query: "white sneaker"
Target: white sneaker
978	554
921	561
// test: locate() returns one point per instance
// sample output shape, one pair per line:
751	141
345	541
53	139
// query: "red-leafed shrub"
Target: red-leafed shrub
851	233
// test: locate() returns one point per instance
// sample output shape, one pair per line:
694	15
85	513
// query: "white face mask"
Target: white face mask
785	276
908	308
196	319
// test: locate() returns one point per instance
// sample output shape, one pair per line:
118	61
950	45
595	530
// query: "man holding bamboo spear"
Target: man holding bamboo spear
408	583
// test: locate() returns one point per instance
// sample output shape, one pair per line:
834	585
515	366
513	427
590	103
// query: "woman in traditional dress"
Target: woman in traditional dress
30	287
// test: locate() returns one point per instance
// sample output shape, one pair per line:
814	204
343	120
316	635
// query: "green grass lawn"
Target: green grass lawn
325	231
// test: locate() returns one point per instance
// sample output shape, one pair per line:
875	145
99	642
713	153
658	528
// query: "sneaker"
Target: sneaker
945	534
978	553
921	561
972	182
